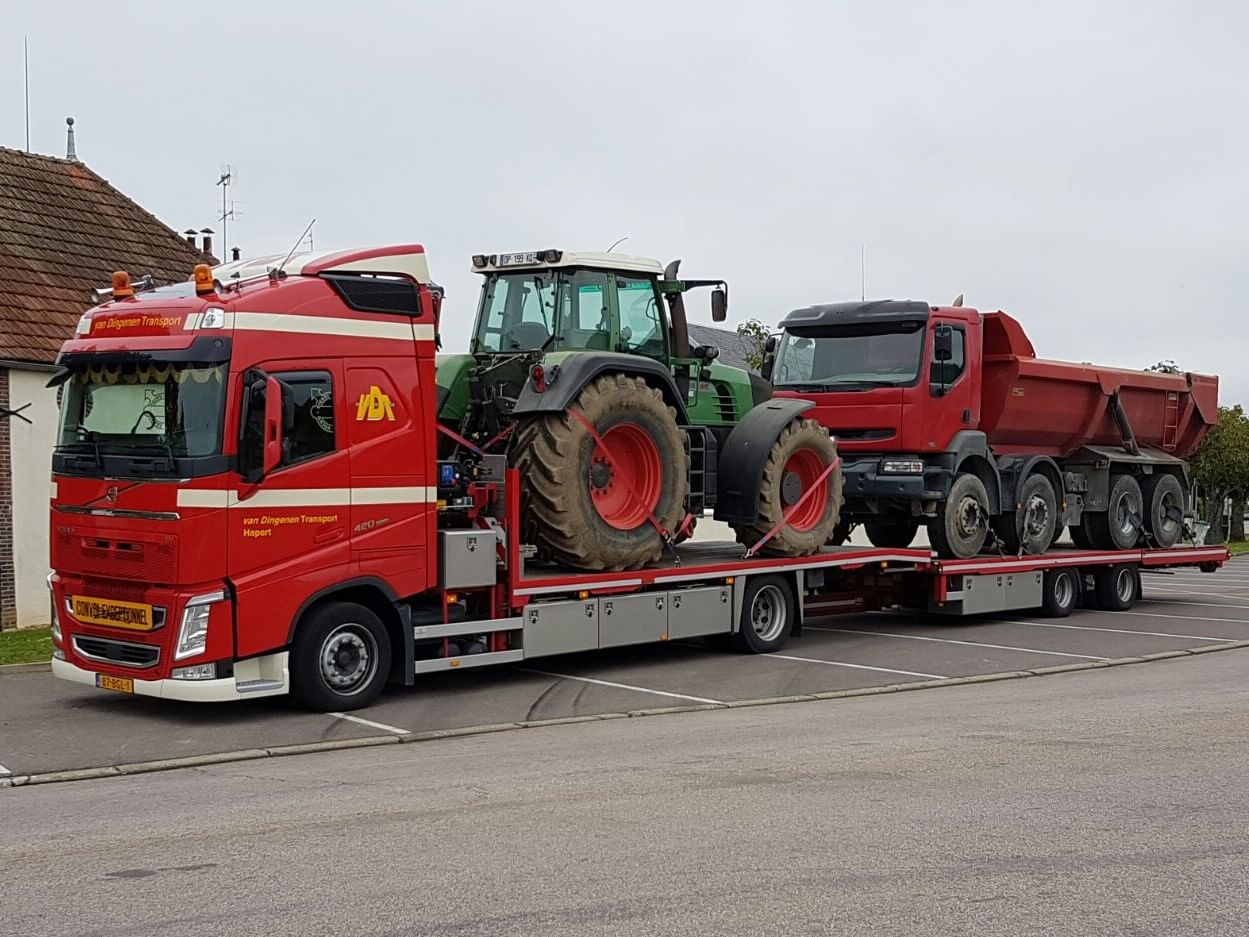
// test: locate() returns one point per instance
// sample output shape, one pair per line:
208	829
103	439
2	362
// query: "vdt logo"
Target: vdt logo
375	405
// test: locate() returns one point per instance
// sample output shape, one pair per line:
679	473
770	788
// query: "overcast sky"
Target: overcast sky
1084	166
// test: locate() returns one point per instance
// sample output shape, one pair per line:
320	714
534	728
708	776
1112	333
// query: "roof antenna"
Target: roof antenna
274	274
616	243
70	152
862	272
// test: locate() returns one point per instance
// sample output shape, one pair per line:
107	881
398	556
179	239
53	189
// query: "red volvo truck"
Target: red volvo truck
945	416
247	501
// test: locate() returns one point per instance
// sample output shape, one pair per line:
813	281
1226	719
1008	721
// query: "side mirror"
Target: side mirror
943	343
719	305
769	358
273	425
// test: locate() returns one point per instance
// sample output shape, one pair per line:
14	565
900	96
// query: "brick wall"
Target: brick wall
8	582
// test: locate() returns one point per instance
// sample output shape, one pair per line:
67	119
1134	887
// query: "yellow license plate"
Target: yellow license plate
113	614
120	684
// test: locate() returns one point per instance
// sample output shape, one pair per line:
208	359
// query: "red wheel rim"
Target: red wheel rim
805	465
625	487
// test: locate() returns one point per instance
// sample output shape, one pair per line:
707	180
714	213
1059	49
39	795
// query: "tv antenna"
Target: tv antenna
862	272
26	72
227	206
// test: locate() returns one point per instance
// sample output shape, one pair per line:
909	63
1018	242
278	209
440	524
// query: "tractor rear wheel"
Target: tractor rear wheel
799	456
588	502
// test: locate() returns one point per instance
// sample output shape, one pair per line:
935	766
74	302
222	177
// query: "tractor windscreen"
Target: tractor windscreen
543	310
850	358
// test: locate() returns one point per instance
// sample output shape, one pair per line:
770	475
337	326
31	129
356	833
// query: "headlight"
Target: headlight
195	672
902	467
193	634
56	619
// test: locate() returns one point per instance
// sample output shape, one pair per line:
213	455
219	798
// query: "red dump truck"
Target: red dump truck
945	416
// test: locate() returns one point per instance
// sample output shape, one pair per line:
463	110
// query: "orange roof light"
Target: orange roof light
203	279
121	285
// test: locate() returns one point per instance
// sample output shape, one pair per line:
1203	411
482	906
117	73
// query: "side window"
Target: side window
947	372
585	321
641	331
307	414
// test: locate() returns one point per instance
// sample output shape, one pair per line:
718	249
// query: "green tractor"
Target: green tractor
581	369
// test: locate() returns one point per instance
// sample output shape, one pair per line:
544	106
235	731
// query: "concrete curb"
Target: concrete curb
38	667
307	748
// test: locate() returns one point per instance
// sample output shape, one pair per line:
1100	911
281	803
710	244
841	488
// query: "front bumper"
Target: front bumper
258	676
864	481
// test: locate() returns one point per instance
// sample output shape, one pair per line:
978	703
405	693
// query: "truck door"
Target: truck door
287	533
951	403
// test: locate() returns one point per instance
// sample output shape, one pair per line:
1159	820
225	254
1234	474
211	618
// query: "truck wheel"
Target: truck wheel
1119	526
580	509
1030	527
962	522
1060	588
768	615
891	534
1082	533
798	457
340	658
1118	587
1164	509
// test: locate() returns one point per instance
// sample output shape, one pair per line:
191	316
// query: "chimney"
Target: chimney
70	152
208	240
235	253
189	234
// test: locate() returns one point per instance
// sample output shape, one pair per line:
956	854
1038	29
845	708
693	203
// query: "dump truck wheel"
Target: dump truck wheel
962	522
891	534
1119	526
1031	527
1164	509
799	456
1081	533
586	509
841	532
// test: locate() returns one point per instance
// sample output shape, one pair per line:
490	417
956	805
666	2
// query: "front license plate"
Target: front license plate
120	684
135	616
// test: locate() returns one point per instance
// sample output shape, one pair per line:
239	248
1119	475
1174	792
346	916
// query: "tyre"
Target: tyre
340	659
1030	527
962	522
891	534
768	615
841	532
799	456
1163	498
1081	534
1118	587
1060	591
588	505
1119	526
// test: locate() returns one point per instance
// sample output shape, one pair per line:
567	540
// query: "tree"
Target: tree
1165	366
1221	467
756	334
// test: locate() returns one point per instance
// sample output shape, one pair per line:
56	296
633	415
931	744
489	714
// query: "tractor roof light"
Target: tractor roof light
121	285
552	256
204	280
479	260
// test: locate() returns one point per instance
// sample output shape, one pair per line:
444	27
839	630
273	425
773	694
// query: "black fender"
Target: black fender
744	455
578	370
971	452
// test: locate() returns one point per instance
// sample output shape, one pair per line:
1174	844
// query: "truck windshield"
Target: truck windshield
850	358
541	310
146	408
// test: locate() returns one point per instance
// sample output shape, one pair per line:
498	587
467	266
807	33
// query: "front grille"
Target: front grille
724	400
137	560
122	653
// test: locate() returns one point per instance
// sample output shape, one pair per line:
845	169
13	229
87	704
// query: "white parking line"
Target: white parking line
998	647
1217	595
1230	621
1148	634
623	686
370	723
841	663
1188	604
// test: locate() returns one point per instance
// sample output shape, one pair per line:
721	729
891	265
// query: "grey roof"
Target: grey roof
733	348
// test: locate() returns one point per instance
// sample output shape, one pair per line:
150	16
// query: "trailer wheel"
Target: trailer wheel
1031	527
1119	526
891	534
768	615
1060	589
340	659
1164	509
1118	587
962	522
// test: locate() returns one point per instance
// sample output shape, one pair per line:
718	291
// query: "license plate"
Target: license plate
134	616
120	684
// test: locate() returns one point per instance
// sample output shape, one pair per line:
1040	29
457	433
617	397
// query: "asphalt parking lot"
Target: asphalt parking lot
47	725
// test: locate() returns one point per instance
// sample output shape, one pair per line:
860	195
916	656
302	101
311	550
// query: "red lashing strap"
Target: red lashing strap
453	435
501	434
611	459
832	466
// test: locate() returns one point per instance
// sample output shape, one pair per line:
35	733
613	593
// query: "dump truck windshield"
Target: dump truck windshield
543	310
144	408
850	357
